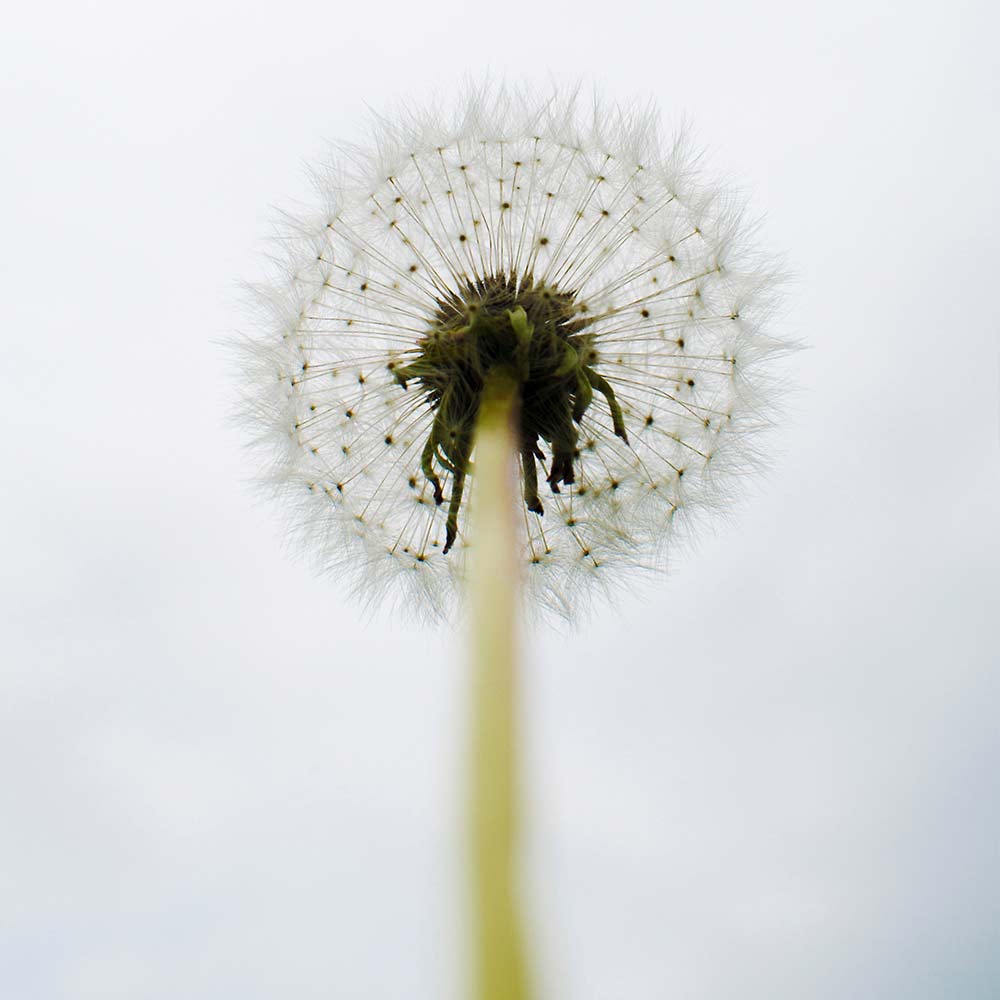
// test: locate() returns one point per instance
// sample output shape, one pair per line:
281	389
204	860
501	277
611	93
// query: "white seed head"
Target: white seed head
644	308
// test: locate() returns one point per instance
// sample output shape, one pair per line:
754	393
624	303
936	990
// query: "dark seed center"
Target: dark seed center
536	333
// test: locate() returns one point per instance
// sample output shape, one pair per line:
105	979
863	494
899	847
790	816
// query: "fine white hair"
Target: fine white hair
574	195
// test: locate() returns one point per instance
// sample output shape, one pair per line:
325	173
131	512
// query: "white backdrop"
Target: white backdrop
771	775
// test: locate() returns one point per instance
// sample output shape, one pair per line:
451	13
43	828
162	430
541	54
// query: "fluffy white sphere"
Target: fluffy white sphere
666	293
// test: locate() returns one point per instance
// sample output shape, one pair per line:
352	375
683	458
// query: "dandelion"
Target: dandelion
525	339
568	249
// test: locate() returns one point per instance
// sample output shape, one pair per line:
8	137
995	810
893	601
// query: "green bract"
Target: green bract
537	335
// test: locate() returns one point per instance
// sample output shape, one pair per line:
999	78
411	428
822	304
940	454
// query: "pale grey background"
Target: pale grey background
774	775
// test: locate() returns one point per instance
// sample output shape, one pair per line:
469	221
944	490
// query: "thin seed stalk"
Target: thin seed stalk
499	965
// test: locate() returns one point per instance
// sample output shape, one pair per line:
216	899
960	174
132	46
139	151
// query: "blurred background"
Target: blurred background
771	774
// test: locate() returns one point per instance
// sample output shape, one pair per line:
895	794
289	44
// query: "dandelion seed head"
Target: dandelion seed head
568	248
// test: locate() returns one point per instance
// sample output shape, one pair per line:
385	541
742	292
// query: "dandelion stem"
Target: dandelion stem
500	970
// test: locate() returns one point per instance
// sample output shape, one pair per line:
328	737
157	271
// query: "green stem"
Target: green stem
500	969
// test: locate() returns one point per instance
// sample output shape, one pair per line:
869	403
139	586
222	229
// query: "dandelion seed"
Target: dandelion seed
567	249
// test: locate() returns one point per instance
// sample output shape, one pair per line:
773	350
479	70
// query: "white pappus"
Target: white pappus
634	305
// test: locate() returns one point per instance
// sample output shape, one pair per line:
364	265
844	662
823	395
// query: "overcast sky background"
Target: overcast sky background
771	775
